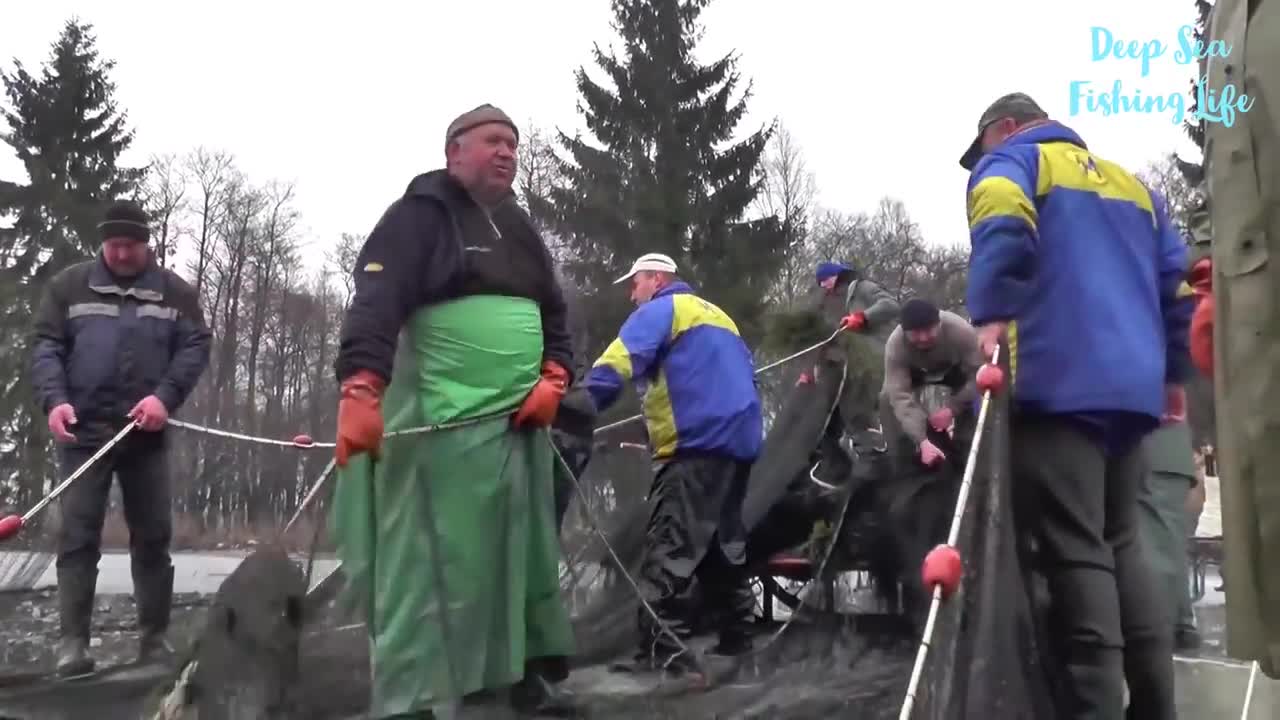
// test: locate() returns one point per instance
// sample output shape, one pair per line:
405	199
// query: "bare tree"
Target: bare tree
538	171
787	192
212	172
340	261
1166	177
165	197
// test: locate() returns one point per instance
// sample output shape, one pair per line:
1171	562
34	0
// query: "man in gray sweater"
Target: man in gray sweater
929	347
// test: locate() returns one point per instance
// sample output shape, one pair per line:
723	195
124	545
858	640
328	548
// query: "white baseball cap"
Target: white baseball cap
655	262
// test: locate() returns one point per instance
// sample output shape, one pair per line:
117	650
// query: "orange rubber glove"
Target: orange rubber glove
1202	335
1201	280
359	417
854	321
540	406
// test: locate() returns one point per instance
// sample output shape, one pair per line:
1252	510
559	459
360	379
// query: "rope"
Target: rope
1248	692
304	442
295	443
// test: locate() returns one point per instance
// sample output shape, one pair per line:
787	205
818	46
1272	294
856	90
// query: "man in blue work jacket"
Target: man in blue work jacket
1078	272
118	339
705	428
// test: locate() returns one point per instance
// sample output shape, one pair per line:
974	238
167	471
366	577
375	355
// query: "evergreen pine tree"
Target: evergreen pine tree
666	175
65	127
1194	127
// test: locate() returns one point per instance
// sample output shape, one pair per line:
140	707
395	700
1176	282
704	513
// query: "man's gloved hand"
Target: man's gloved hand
941	419
60	418
854	321
359	417
930	455
150	413
1201	280
540	406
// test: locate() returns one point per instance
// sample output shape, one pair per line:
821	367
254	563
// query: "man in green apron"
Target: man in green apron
1163	522
448	536
1243	161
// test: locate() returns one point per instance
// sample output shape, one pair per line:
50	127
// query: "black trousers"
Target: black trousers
1108	622
141	463
695	531
576	453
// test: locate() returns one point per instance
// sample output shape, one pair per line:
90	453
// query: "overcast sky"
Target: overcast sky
350	100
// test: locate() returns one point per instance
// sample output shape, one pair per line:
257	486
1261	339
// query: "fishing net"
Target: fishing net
843	640
22	569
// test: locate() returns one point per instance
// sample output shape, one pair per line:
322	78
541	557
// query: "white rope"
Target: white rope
310	444
1248	692
249	438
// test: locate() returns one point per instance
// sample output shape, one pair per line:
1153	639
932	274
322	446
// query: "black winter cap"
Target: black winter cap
125	219
917	314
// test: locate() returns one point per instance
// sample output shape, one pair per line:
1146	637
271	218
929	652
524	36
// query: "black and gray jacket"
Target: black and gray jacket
103	343
436	244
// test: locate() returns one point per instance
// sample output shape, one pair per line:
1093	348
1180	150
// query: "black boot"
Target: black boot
1094	691
75	608
1148	667
153	596
738	615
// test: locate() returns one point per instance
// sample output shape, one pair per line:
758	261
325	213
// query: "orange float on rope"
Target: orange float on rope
990	378
10	525
303	440
942	568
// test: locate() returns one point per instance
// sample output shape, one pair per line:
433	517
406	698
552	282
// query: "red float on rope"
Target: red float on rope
990	378
943	568
9	526
304	440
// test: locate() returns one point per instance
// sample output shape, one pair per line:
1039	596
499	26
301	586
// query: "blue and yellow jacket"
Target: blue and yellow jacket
1082	259
696	375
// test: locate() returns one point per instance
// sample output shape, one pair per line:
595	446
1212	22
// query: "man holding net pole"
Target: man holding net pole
118	340
1077	270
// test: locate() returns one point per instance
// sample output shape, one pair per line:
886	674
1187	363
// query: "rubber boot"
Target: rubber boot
153	596
863	442
1094	691
75	608
1148	667
737	617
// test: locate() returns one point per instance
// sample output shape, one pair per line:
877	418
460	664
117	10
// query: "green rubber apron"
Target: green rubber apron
448	542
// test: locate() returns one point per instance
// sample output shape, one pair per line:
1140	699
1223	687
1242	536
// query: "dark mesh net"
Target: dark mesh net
838	645
984	660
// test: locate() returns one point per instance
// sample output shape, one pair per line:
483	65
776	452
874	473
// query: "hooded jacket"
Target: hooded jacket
435	244
1083	262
